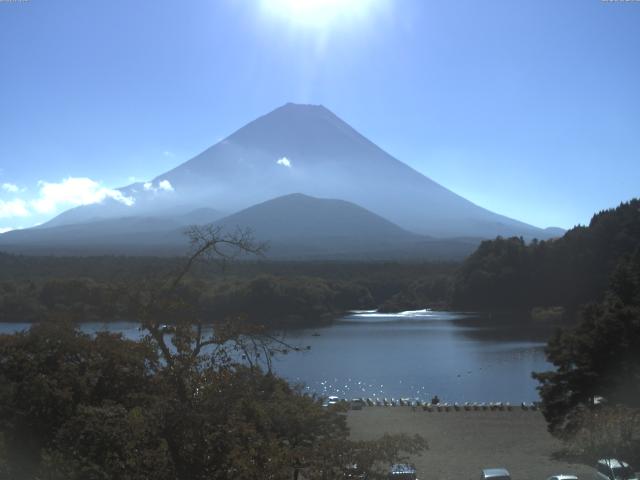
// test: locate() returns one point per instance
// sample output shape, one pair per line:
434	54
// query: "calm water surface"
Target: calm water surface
460	357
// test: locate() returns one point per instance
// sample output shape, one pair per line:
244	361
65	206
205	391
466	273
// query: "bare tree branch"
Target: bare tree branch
166	311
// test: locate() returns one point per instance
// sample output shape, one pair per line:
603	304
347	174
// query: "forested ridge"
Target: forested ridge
274	294
503	274
507	273
591	399
265	299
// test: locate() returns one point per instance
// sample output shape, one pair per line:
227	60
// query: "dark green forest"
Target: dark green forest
274	294
75	407
509	274
505	274
592	397
181	406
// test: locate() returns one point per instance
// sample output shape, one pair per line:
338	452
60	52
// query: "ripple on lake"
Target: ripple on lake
458	356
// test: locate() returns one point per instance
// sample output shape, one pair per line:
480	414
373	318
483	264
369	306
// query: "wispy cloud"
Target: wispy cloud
11	188
284	161
164	185
74	191
14	208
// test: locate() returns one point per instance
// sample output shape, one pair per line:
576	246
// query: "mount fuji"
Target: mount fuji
295	149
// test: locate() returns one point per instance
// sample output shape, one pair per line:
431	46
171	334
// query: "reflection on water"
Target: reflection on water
458	356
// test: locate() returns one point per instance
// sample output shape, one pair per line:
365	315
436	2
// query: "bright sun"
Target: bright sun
320	13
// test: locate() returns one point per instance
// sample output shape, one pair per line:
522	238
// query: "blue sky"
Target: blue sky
530	109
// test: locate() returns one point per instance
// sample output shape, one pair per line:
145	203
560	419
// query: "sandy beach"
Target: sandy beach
462	443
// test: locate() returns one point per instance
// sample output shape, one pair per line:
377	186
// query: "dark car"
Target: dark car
613	469
354	472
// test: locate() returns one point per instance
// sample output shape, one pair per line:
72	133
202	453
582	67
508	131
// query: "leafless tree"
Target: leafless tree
170	315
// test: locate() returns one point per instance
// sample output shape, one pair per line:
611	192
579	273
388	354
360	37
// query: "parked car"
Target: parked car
563	477
354	472
402	471
333	400
495	474
613	469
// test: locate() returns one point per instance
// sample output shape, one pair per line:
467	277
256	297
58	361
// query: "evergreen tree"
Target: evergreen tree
598	358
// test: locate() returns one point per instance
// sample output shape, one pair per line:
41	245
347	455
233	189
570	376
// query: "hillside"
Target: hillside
569	271
144	235
295	226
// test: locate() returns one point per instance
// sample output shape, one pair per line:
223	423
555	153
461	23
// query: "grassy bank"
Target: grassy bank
462	443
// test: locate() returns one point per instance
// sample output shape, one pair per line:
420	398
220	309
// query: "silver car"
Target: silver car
402	471
563	477
613	469
495	474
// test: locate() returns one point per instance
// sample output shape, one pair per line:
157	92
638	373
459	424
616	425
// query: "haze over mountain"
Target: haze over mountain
307	149
139	235
297	227
293	149
300	226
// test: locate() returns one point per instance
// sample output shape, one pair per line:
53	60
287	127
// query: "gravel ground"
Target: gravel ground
462	443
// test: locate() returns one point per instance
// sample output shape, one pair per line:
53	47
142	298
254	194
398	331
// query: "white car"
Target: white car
613	469
563	477
495	474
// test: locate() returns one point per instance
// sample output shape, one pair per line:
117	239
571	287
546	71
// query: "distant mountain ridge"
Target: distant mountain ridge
143	235
295	226
298	216
295	148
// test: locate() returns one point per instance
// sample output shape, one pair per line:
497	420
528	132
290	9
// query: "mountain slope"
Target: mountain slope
139	235
295	226
298	225
305	148
299	216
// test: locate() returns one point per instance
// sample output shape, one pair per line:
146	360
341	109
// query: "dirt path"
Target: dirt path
462	443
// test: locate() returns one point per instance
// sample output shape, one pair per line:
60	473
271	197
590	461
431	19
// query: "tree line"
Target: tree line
508	273
201	403
279	295
592	398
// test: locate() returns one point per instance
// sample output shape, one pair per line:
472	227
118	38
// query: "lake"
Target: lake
461	357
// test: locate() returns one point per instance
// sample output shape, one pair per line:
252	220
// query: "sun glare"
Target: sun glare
320	13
